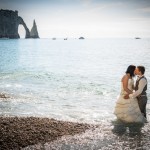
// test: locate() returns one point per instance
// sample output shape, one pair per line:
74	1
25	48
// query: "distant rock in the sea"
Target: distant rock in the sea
9	23
53	38
34	31
137	38
81	38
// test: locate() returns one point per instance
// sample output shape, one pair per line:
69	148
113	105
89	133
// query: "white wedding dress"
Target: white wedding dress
128	110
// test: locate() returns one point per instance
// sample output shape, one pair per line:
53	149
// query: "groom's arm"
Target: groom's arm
141	86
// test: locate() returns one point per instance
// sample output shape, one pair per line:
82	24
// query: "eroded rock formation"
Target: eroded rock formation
34	32
9	23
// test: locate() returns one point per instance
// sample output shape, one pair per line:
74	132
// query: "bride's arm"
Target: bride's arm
125	84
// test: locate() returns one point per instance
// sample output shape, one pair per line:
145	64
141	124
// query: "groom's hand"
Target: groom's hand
126	96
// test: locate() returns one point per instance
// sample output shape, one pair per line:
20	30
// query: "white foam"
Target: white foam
18	85
8	85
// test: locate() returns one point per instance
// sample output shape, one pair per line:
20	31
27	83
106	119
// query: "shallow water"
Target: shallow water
75	80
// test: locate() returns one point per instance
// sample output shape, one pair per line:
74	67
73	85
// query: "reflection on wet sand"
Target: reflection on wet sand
131	129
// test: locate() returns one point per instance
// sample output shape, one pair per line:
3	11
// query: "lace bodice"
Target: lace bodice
130	86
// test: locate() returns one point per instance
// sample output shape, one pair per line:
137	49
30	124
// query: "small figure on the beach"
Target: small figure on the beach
131	106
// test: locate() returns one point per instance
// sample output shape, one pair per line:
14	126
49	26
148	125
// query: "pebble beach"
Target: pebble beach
17	133
32	133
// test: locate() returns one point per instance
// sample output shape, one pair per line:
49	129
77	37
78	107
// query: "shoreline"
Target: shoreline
20	132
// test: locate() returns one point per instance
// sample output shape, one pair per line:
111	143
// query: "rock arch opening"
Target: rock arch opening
21	31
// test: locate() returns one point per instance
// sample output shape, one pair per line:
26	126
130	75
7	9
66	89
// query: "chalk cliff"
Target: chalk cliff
9	23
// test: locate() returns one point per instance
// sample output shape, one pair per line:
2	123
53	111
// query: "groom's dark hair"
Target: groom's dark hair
131	70
141	68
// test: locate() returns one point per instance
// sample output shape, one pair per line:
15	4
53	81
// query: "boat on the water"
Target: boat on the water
81	38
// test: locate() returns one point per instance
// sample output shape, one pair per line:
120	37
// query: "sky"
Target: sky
87	18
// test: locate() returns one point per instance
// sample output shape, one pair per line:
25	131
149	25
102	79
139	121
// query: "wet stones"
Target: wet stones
17	132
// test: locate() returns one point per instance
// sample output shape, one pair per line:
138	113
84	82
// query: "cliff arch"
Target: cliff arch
21	22
9	24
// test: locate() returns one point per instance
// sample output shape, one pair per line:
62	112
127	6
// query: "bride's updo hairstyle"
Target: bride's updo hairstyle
131	70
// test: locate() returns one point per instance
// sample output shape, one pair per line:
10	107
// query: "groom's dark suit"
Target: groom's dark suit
140	94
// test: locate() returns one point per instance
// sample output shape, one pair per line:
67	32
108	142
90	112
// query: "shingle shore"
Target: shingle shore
19	132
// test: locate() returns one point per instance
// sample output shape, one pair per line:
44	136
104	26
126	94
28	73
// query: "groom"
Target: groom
140	89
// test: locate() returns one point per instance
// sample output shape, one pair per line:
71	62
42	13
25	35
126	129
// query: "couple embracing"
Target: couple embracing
131	103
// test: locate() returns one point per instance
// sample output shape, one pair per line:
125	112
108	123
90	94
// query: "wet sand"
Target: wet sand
16	133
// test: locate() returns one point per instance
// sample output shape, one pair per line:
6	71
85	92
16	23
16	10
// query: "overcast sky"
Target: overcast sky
88	18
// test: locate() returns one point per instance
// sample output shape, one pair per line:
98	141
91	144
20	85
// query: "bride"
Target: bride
128	110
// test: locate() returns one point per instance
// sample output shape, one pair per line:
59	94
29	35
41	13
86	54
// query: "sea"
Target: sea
72	80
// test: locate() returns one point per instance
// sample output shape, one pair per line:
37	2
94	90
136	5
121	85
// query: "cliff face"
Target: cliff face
9	22
34	32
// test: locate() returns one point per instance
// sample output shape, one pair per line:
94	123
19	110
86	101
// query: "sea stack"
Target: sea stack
34	32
